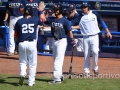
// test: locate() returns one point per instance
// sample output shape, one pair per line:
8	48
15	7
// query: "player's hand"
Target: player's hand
41	6
109	35
5	22
73	42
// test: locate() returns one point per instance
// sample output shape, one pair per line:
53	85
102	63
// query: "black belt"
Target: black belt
30	40
57	38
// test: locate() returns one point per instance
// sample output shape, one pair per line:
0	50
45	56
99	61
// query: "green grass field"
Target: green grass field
10	82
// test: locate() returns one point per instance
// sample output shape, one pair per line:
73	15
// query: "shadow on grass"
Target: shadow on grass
44	73
41	79
5	81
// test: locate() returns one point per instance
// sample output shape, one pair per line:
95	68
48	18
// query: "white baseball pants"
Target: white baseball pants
59	48
90	43
12	23
28	55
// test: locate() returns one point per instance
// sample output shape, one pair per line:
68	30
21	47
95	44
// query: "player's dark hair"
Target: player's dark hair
28	10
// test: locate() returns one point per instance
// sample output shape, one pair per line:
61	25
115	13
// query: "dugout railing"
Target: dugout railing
108	47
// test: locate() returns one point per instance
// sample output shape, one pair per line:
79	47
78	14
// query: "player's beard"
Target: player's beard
57	14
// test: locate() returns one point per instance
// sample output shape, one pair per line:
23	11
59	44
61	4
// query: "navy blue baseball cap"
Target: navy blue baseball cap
85	4
70	9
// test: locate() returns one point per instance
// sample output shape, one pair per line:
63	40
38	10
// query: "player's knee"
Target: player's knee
95	52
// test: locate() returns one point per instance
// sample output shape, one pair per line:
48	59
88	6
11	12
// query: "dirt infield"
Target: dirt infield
10	65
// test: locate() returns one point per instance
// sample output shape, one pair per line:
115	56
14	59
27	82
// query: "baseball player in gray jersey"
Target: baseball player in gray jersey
89	29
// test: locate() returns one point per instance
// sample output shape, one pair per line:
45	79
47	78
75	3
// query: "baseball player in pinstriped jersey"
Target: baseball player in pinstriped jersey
13	9
89	29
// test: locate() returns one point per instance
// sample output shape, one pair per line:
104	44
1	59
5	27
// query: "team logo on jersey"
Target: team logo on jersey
98	5
54	24
15	5
93	19
34	5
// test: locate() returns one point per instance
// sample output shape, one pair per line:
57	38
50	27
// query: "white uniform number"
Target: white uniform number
27	28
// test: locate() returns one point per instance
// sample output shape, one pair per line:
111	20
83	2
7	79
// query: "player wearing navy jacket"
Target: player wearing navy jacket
25	34
73	15
13	9
89	29
60	29
34	4
71	12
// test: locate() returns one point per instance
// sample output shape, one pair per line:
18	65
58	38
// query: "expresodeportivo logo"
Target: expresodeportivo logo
34	5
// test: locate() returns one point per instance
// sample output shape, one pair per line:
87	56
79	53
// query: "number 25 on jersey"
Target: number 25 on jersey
27	28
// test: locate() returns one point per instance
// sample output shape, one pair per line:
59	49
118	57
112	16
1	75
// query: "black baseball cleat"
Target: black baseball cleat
21	80
62	78
96	72
54	82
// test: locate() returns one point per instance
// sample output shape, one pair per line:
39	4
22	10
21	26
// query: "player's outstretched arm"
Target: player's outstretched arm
41	10
76	27
101	21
